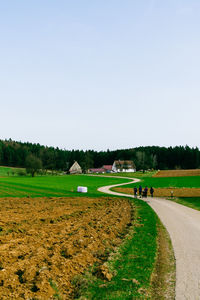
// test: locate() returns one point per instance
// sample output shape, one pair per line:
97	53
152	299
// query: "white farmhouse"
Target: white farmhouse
123	166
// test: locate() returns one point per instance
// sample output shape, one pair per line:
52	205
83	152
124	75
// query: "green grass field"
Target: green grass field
57	186
160	182
9	171
165	182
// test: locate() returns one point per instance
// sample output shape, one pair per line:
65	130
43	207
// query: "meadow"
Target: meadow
9	171
149	179
168	182
57	186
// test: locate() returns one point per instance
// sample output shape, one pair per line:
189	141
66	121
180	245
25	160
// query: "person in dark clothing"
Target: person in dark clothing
145	191
135	192
151	191
140	191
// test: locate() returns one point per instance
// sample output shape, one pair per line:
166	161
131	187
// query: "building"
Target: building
75	168
118	166
104	169
107	168
123	166
96	170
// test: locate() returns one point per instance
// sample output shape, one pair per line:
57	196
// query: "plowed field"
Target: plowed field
44	242
177	173
166	192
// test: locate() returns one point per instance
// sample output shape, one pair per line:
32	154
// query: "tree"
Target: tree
154	161
33	164
87	161
140	160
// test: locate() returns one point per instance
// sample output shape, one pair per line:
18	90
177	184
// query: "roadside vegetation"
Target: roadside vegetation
192	202
128	272
164	276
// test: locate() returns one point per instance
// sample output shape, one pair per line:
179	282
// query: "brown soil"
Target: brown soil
166	192
177	173
45	242
164	276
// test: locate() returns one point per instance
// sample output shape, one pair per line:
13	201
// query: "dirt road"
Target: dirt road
183	225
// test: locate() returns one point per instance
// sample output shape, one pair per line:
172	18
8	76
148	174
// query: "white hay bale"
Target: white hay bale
82	189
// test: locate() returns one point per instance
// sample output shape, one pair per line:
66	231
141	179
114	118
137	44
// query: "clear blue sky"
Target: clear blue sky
100	74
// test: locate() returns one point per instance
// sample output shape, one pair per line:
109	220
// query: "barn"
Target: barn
75	168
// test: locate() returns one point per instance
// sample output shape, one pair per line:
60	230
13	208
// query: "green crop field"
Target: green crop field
42	186
161	182
165	182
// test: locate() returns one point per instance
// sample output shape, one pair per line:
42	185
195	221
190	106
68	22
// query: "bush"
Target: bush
21	173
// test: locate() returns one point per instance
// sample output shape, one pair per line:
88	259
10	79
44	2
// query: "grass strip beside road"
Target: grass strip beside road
131	267
192	202
164	276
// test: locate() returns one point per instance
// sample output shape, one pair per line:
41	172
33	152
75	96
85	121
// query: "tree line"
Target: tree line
18	154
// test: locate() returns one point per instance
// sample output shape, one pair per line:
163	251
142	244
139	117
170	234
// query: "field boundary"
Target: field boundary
177	173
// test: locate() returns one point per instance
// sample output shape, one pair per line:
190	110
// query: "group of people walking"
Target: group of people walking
142	192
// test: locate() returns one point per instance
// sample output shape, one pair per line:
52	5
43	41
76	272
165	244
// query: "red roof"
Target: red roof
97	170
107	167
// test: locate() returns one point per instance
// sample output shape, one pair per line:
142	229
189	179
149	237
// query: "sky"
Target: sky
106	74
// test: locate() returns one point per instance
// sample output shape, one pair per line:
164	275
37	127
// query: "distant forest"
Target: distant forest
14	154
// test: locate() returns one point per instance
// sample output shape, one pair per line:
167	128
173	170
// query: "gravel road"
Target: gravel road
183	225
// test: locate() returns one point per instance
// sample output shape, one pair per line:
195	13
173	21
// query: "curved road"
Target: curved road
183	225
